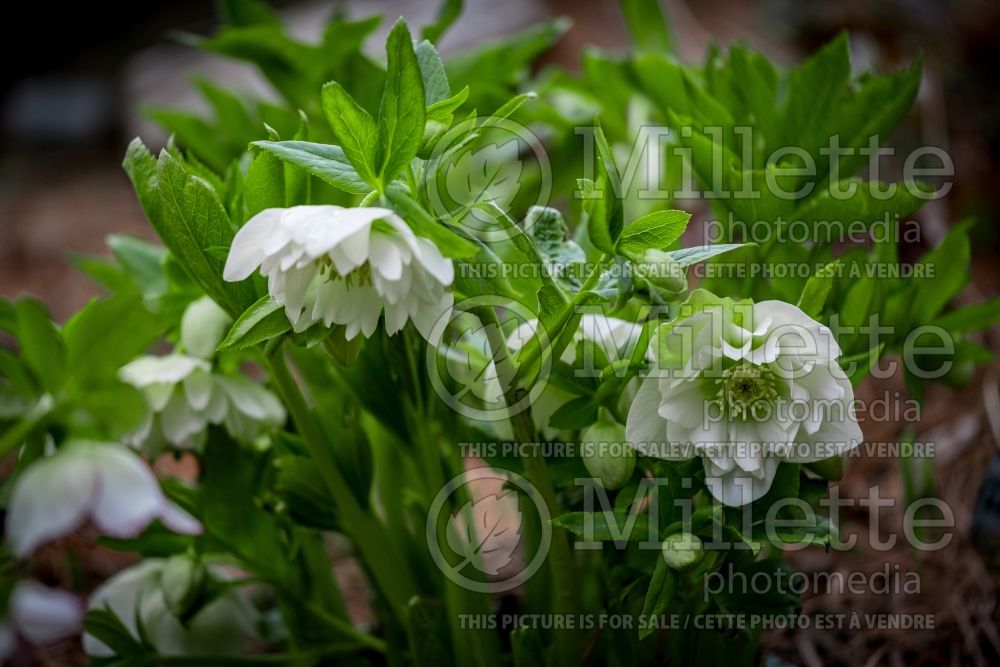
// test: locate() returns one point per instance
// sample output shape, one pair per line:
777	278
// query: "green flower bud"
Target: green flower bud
182	582
606	454
203	327
662	273
682	550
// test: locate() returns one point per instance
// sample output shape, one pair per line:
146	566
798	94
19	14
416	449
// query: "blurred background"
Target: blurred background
71	100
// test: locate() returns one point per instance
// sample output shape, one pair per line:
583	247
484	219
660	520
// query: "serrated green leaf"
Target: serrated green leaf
606	526
656	230
816	289
41	345
355	129
259	323
658	596
695	254
402	112
326	162
450	243
432	72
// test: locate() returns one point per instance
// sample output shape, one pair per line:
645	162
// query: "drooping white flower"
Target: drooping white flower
344	266
103	483
136	595
185	396
744	386
39	616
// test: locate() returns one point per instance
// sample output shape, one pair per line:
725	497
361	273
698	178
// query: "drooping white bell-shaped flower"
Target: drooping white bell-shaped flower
744	386
345	266
137	595
103	483
39	616
185	396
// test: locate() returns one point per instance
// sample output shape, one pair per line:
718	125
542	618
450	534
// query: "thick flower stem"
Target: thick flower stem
565	599
391	574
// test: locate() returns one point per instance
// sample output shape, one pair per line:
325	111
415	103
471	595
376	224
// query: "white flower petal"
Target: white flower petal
736	487
645	429
49	500
45	615
247	250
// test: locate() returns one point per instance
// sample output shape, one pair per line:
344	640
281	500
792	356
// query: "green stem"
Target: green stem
346	629
533	350
391	574
562	565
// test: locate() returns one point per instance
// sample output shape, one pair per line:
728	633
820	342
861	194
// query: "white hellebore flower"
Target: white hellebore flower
744	387
137	595
39	616
104	483
185	396
344	266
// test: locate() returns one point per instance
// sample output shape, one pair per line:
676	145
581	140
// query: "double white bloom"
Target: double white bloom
104	483
344	266
744	387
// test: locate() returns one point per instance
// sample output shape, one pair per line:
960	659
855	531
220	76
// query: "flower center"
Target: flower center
356	278
747	391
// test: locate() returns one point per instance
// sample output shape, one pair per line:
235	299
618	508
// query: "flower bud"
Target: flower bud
182	582
203	327
682	550
662	273
606	454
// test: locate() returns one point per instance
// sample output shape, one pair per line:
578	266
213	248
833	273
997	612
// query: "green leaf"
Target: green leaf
435	80
41	346
326	162
647	25
447	241
658	597
689	256
816	289
355	129
949	265
193	221
143	261
259	323
108	333
863	205
604	221
815	89
606	526
969	319
446	15
264	185
657	230
575	413
140	165
401	114
107	628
